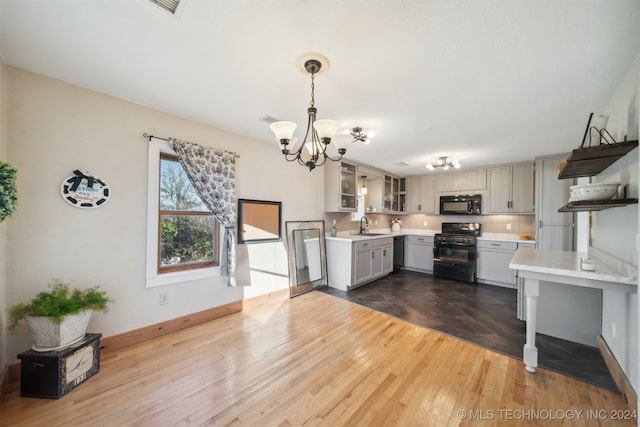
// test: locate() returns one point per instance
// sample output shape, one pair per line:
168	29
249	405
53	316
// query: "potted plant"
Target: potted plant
58	317
8	198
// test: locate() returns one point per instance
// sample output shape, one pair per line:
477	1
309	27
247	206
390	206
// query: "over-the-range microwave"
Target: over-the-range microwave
461	205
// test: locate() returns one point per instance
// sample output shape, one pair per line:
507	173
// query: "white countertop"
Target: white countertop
353	235
505	237
565	263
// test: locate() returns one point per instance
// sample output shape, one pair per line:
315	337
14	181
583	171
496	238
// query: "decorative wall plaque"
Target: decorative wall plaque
85	191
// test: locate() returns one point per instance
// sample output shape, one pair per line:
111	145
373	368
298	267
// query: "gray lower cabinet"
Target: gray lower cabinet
493	258
493	262
354	263
419	253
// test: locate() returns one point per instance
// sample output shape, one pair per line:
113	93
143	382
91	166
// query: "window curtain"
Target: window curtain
212	173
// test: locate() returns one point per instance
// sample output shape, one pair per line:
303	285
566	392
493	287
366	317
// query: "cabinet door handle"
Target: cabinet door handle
495	244
419	207
384	252
373	255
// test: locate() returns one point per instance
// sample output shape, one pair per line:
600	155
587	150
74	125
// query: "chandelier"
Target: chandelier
312	151
444	163
359	135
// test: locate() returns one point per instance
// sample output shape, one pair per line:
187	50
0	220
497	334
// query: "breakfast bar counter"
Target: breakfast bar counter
564	267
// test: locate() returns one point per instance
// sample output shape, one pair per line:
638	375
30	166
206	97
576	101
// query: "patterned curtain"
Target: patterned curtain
212	173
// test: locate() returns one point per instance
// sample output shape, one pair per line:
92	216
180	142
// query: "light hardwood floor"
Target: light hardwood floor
315	360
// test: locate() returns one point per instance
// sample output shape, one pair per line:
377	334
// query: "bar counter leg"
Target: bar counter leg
530	351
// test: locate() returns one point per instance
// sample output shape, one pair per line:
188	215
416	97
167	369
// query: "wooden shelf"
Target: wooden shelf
596	205
591	161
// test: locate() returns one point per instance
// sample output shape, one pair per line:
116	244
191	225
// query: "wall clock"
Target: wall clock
85	191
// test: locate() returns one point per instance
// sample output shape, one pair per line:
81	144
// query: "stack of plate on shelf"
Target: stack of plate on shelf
592	192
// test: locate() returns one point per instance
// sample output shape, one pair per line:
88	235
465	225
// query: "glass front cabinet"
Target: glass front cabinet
340	186
394	198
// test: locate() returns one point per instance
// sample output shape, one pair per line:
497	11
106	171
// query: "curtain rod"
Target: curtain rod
146	135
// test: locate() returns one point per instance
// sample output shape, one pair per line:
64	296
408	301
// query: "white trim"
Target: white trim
157	146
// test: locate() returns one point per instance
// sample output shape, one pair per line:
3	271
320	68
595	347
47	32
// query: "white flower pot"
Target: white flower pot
49	335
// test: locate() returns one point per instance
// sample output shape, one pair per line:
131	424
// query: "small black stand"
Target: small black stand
52	374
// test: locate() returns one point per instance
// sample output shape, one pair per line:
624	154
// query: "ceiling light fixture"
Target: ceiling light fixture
359	135
313	150
363	190
444	163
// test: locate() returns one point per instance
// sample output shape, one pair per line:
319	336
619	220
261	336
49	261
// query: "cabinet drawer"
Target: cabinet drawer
426	240
363	245
387	241
492	244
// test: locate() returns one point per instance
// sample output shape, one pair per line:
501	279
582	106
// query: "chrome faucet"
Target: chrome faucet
366	227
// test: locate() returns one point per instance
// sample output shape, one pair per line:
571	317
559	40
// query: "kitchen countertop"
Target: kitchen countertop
379	234
566	263
505	237
382	233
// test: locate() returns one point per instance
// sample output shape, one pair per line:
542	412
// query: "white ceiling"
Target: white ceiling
485	81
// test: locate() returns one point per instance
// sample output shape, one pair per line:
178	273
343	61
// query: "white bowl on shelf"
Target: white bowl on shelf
592	192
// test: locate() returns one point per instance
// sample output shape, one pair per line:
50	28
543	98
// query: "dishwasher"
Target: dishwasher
398	253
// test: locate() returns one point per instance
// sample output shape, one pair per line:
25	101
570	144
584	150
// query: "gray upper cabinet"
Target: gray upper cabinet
421	194
474	180
511	189
340	187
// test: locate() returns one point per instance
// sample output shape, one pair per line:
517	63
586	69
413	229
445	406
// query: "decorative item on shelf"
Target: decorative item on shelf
85	191
59	317
334	230
8	190
360	135
395	224
444	163
593	191
312	151
363	189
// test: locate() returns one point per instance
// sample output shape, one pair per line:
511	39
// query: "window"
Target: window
188	234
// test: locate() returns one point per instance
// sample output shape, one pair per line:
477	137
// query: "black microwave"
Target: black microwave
460	205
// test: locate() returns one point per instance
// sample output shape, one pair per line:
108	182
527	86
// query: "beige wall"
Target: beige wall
615	230
56	128
3	225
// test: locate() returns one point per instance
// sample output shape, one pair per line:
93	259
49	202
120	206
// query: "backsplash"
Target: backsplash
490	223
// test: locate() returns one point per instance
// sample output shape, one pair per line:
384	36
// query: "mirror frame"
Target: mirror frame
296	288
244	205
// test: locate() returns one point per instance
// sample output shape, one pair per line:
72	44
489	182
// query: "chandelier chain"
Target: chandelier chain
313	86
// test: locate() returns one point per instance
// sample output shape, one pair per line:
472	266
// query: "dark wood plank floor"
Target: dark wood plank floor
482	314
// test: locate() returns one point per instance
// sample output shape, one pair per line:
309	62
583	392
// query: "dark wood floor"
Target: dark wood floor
482	314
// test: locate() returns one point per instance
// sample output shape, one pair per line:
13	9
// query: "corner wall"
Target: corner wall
56	128
614	231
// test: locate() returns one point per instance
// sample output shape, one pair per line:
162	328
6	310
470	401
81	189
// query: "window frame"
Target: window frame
216	231
153	277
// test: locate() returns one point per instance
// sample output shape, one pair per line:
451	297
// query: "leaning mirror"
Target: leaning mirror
307	256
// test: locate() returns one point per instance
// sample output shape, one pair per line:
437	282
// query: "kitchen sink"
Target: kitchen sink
370	234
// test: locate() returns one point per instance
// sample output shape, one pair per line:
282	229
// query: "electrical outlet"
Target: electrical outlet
375	222
164	299
508	226
425	223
